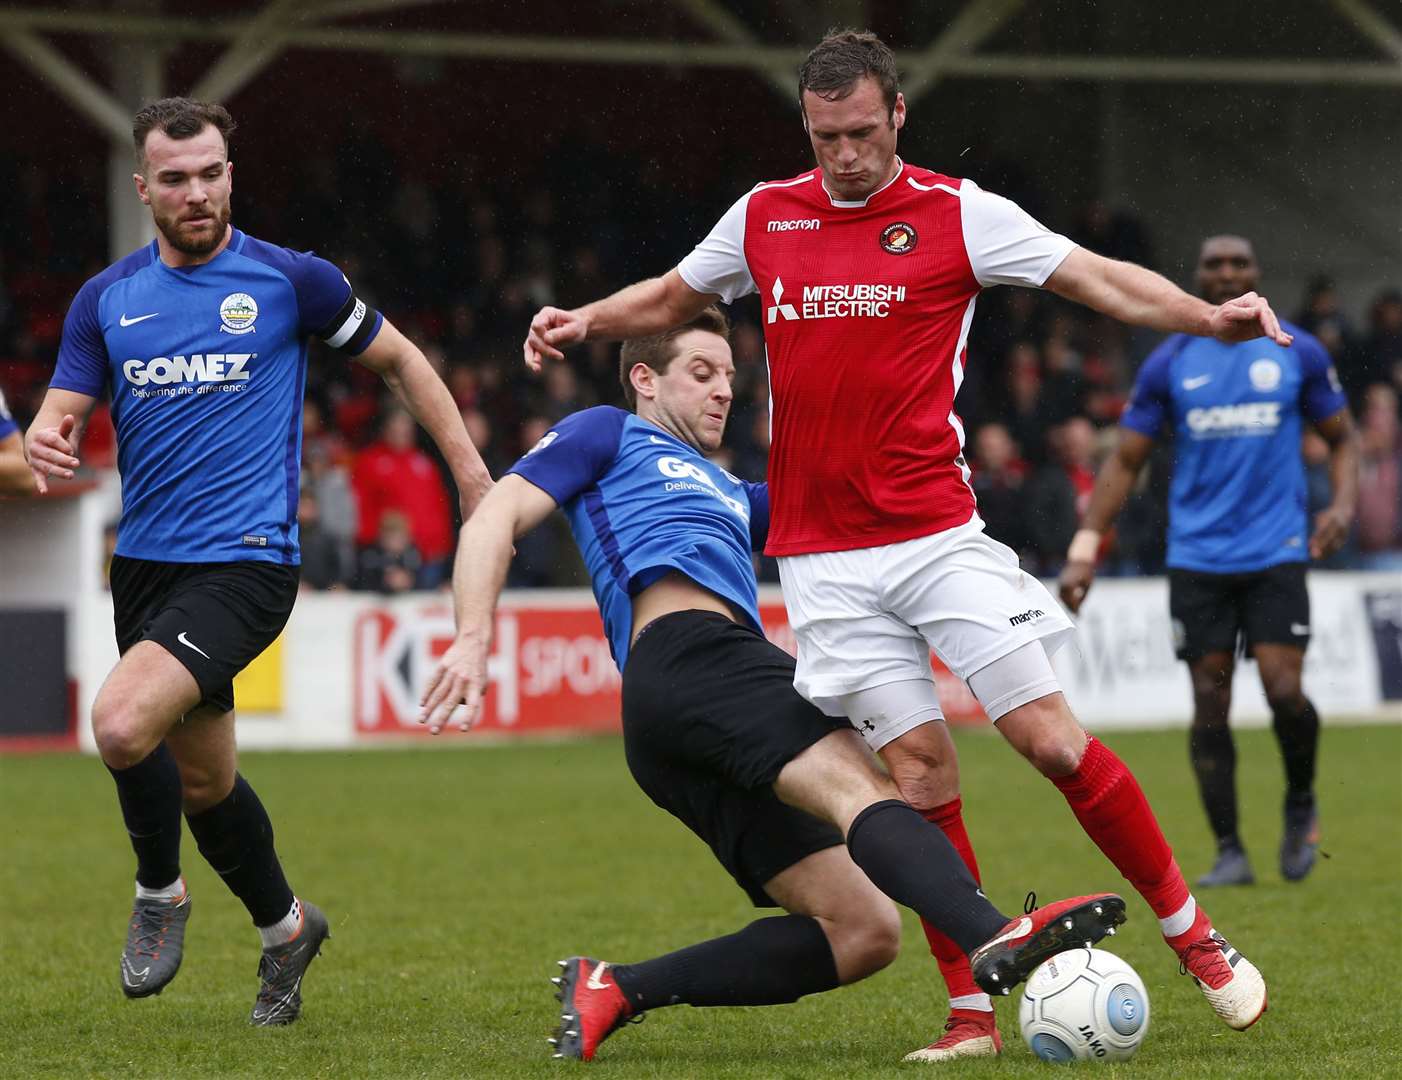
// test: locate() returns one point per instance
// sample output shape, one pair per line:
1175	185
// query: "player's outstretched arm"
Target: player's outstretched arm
407	372
1112	487
512	508
648	307
1141	297
1331	525
51	445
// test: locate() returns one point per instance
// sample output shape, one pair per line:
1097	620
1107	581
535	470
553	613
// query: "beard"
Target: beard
189	241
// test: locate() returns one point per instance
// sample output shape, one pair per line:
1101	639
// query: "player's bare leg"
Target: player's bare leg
143	696
1213	753
839	929
1111	807
1296	726
924	764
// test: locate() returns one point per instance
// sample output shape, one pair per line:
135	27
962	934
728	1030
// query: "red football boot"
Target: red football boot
592	1007
967	1033
1004	961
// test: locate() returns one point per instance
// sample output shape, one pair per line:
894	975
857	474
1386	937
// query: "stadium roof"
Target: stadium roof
1318	42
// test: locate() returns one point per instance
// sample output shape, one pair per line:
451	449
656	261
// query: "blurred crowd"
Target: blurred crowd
461	269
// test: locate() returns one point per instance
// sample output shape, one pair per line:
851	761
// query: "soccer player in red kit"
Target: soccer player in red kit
868	269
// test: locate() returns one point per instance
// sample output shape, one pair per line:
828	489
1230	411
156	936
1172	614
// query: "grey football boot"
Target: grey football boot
1231	868
155	945
281	969
1300	842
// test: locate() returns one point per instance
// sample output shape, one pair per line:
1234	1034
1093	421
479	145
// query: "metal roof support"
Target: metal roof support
257	46
1372	26
720	21
977	22
75	85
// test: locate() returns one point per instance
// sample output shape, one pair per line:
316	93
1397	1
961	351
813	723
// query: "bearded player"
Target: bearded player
869	270
201	337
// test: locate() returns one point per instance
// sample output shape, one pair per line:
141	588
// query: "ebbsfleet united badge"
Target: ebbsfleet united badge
237	313
899	238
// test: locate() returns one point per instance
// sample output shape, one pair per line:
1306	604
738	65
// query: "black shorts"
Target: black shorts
1216	612
710	717
215	618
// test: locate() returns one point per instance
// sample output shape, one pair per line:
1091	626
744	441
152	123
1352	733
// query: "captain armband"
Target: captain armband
351	328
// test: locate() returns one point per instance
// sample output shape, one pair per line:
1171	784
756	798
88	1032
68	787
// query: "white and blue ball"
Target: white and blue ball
1084	1005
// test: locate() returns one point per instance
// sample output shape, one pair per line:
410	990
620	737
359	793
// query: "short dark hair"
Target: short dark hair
179	118
834	67
656	351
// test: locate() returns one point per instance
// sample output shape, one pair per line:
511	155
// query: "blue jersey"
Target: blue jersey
206	366
7	422
642	503
1237	500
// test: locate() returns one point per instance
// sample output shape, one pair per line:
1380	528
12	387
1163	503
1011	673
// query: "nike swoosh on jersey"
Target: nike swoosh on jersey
140	318
594	982
1194	383
180	637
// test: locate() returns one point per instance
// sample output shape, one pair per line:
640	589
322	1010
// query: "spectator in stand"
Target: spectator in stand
1022	414
394	474
998	480
392	564
15	476
329	482
1378	359
1323	317
483	436
1380	481
1059	492
324	561
1063	393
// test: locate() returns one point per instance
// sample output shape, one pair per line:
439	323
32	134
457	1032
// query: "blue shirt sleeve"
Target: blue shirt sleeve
82	352
327	306
573	454
759	514
1151	403
7	422
1321	393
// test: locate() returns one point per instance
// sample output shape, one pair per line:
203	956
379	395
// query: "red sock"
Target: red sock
954	965
1110	805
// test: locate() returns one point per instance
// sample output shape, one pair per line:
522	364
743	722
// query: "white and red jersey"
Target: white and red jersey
867	307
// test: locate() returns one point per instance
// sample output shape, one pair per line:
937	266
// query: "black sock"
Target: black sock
236	839
149	792
913	862
1298	735
1214	763
770	962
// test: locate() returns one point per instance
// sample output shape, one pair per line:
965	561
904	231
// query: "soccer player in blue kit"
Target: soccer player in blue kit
1239	539
201	338
714	731
15	478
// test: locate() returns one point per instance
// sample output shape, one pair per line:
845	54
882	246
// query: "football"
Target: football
1084	1005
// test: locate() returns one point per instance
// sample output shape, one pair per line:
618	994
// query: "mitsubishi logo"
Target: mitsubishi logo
786	310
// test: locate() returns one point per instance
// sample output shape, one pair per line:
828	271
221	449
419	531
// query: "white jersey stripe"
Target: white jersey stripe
957	373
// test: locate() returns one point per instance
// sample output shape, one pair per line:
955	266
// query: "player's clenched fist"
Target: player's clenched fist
460	679
51	452
551	330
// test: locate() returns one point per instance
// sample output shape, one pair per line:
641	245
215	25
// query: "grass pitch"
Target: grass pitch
454	881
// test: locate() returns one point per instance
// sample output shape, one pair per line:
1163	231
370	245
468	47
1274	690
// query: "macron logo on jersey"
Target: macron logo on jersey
173	374
1225	421
859	301
795	224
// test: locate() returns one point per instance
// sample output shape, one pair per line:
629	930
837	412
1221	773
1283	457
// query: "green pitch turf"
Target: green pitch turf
454	881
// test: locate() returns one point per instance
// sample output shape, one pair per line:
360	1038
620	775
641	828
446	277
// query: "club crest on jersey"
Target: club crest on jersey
237	313
1264	374
899	238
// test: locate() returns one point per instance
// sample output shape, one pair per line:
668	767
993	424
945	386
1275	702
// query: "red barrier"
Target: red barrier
550	669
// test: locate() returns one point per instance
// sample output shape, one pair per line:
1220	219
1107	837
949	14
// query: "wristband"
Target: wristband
1085	546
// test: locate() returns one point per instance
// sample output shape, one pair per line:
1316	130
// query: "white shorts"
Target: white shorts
871	616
